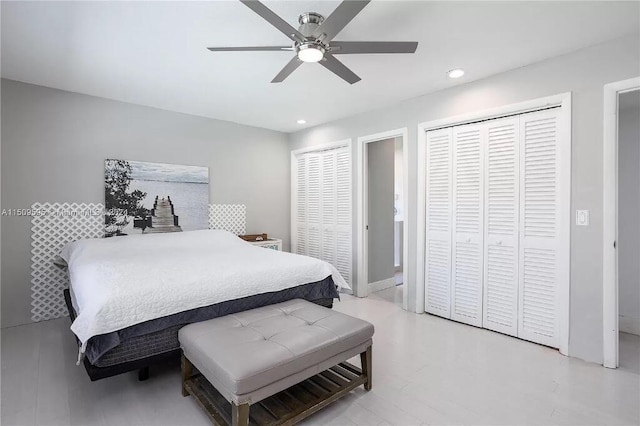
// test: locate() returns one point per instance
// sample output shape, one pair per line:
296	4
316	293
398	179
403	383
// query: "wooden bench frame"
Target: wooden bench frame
284	408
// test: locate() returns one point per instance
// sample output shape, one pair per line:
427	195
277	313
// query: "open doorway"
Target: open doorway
628	242
382	219
621	225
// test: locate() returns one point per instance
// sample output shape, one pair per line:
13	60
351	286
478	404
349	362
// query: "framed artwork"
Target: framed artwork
142	197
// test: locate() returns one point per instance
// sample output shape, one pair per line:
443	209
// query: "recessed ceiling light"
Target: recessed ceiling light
456	73
302	121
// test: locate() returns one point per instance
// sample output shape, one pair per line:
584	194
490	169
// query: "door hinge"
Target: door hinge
366	227
614	244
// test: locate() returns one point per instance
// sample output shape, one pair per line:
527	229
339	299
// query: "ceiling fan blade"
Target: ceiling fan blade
339	69
269	16
355	47
293	64
344	13
250	48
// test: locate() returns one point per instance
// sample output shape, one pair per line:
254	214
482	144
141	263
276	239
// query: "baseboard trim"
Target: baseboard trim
382	284
629	325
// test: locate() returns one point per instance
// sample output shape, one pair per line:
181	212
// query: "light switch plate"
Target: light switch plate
582	217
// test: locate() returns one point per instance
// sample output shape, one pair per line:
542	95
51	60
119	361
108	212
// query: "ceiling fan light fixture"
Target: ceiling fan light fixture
313	41
309	52
455	73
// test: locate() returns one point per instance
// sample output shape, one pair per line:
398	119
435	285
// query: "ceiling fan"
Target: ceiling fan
313	40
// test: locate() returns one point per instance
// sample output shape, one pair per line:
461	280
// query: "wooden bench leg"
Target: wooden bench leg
365	360
239	414
187	372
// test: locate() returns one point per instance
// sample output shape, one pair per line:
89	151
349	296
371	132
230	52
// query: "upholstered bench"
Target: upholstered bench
276	364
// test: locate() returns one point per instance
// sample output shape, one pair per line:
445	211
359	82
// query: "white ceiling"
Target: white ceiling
153	53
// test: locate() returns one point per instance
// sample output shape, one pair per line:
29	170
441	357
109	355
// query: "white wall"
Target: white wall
380	189
629	217
54	144
584	73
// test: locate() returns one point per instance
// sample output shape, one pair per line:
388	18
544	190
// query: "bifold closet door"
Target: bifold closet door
501	225
314	205
323	209
343	215
540	222
329	205
438	222
468	224
300	206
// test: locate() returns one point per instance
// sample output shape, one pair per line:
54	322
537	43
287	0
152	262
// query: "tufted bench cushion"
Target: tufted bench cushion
253	354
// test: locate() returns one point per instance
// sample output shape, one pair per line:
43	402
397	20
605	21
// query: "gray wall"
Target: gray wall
54	144
629	217
584	73
380	192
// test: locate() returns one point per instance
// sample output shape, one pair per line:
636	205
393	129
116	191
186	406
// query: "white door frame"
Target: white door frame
563	100
610	218
362	214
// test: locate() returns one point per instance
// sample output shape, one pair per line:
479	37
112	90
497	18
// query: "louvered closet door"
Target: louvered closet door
329	207
343	215
501	226
301	205
314	205
438	226
466	277
539	227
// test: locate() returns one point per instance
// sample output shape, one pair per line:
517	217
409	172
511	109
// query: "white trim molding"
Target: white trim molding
562	100
422	218
382	284
610	219
363	286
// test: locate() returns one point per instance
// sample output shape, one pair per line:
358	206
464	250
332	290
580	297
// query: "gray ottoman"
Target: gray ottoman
251	356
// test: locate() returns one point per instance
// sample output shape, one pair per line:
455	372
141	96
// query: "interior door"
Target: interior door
468	224
301	205
323	207
343	215
501	225
329	206
314	205
539	228
438	226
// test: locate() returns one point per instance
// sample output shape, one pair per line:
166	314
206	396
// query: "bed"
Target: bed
129	296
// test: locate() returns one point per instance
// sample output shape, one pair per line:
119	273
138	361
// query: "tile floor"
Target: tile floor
427	370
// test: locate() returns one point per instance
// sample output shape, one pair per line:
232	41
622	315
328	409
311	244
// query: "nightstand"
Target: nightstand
269	243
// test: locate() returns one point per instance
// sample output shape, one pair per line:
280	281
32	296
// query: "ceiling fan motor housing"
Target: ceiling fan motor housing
309	22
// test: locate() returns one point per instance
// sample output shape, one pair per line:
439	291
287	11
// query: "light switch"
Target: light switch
582	217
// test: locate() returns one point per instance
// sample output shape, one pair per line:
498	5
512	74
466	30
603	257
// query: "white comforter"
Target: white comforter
121	281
